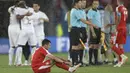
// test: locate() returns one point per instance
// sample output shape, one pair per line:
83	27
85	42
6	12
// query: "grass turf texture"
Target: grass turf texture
4	68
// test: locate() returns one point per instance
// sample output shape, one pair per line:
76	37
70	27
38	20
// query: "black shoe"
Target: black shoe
105	62
91	63
115	62
98	63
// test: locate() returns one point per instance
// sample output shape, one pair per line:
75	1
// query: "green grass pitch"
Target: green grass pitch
4	68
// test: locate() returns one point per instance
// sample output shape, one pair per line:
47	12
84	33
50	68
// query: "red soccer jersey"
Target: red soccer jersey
39	57
124	14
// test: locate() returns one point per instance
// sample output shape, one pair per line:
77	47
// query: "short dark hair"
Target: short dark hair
45	42
22	3
74	2
35	2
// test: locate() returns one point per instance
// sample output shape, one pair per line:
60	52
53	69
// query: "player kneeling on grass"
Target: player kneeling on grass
42	60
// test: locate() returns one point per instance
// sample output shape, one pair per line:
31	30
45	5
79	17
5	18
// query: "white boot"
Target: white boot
124	59
72	69
26	63
118	64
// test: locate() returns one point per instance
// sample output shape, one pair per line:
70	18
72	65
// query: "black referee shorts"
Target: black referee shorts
95	40
83	34
75	35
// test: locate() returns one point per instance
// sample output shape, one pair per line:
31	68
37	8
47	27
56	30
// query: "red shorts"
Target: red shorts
121	36
44	70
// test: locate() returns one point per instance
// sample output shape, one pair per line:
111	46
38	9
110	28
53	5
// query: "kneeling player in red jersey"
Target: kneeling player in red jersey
42	60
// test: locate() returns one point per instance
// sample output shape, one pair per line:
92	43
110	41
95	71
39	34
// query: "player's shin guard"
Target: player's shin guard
11	54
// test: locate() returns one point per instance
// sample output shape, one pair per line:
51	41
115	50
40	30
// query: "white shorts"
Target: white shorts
27	36
40	39
13	33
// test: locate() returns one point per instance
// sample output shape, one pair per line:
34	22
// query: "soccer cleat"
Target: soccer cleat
26	63
118	64
72	69
10	64
115	62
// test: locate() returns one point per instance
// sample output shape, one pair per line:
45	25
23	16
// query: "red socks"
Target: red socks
117	50
122	50
62	65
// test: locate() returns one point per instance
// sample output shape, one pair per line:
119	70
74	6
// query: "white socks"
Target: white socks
11	54
18	57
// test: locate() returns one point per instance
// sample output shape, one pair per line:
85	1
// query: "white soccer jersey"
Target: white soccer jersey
39	23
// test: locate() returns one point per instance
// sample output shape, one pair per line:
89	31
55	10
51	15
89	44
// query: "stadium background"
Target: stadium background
56	29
